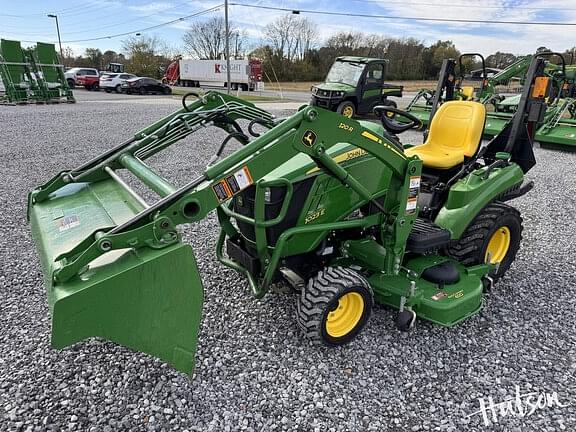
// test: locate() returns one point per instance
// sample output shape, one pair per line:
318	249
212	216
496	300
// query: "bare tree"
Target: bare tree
348	42
291	37
206	39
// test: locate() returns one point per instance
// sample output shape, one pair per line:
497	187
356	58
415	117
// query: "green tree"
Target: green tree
500	60
93	58
434	55
145	56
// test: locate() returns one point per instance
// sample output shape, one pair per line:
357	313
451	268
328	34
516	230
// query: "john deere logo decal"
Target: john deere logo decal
309	138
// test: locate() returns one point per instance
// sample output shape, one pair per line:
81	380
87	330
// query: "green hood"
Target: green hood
335	87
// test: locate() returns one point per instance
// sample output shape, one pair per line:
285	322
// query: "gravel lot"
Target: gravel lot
254	371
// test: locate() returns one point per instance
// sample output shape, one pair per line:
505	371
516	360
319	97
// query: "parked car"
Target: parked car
114	81
144	86
73	74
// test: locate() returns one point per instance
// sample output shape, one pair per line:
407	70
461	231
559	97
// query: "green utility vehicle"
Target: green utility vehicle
333	207
354	86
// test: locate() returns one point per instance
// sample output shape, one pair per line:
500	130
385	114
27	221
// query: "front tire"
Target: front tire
334	306
495	235
347	109
118	88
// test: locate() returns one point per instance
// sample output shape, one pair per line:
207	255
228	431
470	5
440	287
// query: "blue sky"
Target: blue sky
101	18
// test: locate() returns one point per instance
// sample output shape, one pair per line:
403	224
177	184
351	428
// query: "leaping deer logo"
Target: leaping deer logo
309	138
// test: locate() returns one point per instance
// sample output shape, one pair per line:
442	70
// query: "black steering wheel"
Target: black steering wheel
393	126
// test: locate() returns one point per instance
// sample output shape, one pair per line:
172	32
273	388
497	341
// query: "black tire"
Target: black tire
142	91
347	109
472	247
107	90
118	88
167	91
71	83
321	297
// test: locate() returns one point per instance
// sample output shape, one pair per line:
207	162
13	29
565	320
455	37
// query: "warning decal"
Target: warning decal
413	194
232	184
411	205
221	190
67	222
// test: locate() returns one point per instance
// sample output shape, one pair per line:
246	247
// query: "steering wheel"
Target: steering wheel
394	126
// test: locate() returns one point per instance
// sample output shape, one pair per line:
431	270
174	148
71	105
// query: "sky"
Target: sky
91	19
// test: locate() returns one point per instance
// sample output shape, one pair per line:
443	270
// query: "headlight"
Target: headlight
339	93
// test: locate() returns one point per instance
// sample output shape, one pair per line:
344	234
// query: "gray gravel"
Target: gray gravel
254	371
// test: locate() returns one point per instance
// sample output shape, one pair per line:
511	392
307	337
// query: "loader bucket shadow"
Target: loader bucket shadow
147	300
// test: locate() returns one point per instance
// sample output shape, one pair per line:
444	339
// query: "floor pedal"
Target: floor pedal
426	236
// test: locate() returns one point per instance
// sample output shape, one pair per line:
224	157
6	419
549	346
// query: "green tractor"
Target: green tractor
556	130
354	86
334	207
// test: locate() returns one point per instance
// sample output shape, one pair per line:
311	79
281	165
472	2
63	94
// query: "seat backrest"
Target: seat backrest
467	92
458	125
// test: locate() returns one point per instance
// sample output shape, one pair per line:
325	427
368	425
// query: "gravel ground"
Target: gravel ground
254	371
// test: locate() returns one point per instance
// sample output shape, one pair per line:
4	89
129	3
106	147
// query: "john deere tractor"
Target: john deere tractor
334	207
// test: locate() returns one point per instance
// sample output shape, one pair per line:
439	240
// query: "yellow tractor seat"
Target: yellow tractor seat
455	133
467	92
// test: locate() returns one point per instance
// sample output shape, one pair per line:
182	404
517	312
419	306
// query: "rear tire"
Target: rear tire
334	306
496	230
142	91
71	83
347	109
118	88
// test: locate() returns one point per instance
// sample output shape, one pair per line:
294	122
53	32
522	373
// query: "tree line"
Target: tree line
291	50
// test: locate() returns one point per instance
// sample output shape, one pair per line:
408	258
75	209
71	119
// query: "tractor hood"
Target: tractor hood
332	86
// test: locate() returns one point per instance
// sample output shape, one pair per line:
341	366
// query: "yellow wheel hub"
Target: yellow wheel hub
346	316
498	245
348	112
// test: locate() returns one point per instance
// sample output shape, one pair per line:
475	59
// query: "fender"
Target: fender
472	193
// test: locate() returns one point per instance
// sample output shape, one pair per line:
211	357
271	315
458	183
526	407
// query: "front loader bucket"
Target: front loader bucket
148	299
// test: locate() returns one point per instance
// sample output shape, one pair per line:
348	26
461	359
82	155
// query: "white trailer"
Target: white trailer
244	74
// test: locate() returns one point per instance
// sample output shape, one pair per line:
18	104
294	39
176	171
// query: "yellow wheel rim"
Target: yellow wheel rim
346	316
348	111
390	114
498	245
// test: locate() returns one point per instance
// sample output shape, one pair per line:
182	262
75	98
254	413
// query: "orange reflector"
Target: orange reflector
540	87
